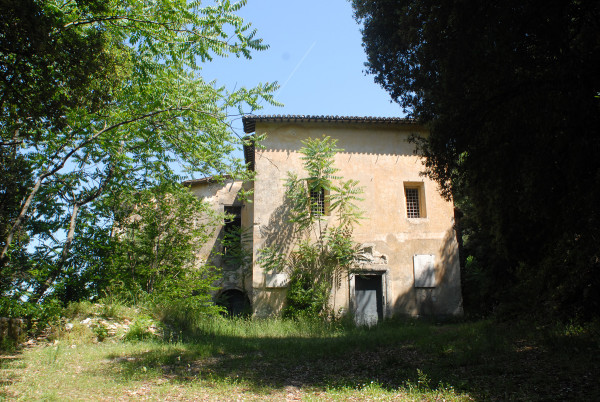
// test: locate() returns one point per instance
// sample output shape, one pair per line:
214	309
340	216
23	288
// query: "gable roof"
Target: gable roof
251	120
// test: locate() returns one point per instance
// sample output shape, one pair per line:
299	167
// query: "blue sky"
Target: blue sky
316	56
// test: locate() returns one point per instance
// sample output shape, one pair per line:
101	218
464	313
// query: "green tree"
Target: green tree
154	249
104	97
323	210
43	74
510	93
14	178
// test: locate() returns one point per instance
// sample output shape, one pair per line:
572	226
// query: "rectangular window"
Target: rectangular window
235	221
231	228
317	201
412	203
415	200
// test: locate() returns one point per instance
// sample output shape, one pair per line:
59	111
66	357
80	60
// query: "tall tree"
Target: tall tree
511	93
98	95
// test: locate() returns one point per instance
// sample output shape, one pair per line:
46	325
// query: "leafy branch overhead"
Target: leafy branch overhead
101	97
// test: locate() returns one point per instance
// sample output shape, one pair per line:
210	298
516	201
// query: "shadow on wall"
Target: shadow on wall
215	257
268	302
235	266
279	233
232	274
445	299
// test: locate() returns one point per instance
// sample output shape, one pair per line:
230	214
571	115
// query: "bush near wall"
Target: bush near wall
12	330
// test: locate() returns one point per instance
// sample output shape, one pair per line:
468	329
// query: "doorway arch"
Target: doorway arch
236	302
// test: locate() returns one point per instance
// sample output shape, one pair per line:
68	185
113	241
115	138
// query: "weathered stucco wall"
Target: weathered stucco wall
382	160
218	196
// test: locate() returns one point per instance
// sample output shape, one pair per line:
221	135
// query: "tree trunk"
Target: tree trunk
39	292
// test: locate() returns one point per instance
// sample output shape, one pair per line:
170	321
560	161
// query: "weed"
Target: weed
79	310
114	310
100	331
53	353
142	328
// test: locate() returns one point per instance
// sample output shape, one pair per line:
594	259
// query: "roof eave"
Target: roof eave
250	121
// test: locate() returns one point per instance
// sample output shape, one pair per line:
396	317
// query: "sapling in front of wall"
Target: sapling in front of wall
153	260
323	211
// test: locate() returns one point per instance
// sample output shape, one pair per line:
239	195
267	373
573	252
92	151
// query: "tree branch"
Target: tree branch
59	165
41	290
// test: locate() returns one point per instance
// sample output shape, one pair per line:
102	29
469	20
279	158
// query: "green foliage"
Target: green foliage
100	331
320	175
37	93
237	249
101	100
509	92
38	315
15	176
305	296
140	329
324	250
106	308
78	309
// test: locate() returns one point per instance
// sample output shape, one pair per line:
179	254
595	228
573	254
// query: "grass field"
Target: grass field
279	360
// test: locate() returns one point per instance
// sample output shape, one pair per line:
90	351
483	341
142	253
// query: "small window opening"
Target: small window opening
317	201
415	200
412	203
232	227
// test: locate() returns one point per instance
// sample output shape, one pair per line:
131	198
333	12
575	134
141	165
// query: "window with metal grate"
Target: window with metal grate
317	201
413	209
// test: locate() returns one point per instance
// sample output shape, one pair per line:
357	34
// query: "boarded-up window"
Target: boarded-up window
424	265
276	280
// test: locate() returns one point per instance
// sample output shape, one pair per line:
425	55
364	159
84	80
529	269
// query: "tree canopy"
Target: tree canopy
99	99
511	94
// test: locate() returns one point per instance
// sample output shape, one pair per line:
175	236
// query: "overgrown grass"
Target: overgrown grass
273	359
112	310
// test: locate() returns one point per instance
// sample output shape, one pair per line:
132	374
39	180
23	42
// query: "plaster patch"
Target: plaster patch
369	256
392	241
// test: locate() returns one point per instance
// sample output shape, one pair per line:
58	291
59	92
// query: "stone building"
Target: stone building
408	263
